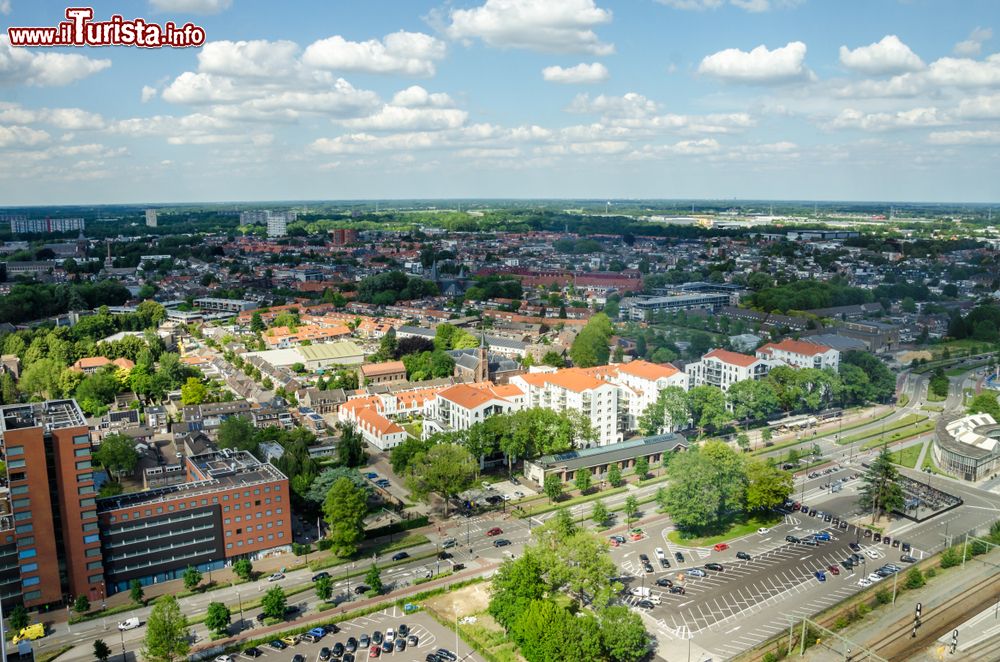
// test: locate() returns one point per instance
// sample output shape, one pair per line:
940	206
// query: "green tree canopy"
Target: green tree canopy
167	636
345	508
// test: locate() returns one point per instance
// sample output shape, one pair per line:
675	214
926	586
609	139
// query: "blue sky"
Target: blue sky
890	100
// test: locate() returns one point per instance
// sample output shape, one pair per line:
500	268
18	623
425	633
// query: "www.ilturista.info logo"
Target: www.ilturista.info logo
81	30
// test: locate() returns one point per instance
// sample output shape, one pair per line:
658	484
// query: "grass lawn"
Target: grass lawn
737	529
907	457
959	347
414	429
955	372
929	464
906	421
936	408
934	397
902	433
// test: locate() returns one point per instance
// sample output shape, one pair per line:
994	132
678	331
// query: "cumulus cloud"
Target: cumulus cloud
565	26
850	118
889	56
68	119
633	111
44	69
194	129
581	73
946	72
21	136
973	46
401	53
630	104
403	118
965	137
980	108
191	6
417	97
258	58
760	66
4	6
148	93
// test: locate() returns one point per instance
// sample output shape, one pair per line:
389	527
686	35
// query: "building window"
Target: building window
86	464
15	464
22	503
29	553
32	595
90	526
86	489
29	567
94	565
15	450
87	540
20	517
96	579
24	528
81	439
31	581
82	452
83	478
95	551
20	489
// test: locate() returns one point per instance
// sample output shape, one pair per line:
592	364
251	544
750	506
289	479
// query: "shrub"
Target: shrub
864	609
950	558
884	597
841	623
914	578
931	572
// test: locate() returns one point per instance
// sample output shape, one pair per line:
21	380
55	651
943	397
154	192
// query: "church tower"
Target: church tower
483	367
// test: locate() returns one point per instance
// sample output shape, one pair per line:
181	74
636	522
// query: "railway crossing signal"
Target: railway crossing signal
954	641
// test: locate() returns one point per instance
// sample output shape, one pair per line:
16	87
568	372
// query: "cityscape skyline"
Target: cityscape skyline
507	99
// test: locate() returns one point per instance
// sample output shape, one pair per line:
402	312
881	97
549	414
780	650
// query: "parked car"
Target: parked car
412	640
886	540
495	531
834	570
387	645
253	651
290	640
224	658
645	604
792	539
822	535
636	534
743	556
717	567
338	649
325	653
820	575
906	547
298	658
351	645
615	541
696	572
399	556
848	563
278	645
364	641
720	547
678	557
906	558
664	563
871	553
855	547
677	589
374	651
664	582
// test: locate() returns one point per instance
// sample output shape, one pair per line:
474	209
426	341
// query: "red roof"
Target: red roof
732	358
795	347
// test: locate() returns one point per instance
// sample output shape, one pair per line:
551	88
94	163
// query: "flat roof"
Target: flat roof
334	350
52	414
588	457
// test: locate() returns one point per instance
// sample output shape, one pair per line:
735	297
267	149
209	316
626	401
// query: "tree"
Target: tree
642	467
708	407
117	454
743	441
752	400
41	379
321	485
274	603
623	635
345	508
669	412
243	568
631	508
218	617
239	433
985	403
599	515
552	486
101	650
615	475
324	588
351	447
166	632
880	492
514	586
767	486
590	347
135	591
914	579
19	618
192	577
582	480
445	469
81	605
374	579
193	392
402	454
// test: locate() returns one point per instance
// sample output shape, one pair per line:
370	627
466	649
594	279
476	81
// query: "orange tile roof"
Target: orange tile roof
574	379
466	396
647	370
123	362
387	368
376	422
795	347
91	362
732	358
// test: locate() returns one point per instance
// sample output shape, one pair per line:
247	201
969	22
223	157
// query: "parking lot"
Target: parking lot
495	494
430	635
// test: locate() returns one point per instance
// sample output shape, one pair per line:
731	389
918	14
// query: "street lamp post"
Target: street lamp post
240	601
122	633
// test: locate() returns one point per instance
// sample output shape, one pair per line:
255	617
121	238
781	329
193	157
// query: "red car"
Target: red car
495	531
375	650
834	570
721	547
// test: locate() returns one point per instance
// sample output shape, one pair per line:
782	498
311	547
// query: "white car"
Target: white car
224	658
129	624
659	553
871	553
864	583
763	530
874	577
278	576
390	634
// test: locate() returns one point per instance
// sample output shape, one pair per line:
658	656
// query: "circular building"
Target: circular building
968	446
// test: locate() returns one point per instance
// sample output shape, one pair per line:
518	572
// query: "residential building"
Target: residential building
25	225
150	218
723	368
799	354
382	373
639	308
639	385
461	406
231	506
48	518
234	306
575	390
91	364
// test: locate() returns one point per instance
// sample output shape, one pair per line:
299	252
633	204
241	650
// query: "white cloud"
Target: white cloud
850	118
980	108
148	93
983	137
68	119
194	129
401	53
21	135
4	6
198	88
630	104
398	118
191	6
581	73
973	46
417	97
258	58
43	69
562	26
759	66
889	56
965	72
634	111
701	147
755	6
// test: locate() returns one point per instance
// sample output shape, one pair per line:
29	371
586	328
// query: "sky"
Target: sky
888	100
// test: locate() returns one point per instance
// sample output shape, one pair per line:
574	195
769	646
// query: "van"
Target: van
30	633
640	591
449	543
129	624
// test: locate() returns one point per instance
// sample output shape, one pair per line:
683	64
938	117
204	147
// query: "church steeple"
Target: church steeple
483	367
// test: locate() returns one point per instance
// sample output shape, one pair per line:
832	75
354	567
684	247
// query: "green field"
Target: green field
902	433
906	421
907	457
737	529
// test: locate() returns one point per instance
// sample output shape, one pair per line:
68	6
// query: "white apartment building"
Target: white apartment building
461	406
579	390
639	384
723	368
798	354
150	218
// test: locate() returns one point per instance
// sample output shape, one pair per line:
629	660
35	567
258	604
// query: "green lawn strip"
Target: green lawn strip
928	464
907	457
904	400
934	397
934	408
655	479
336	562
522	513
899	435
847	428
906	421
52	654
614	509
346	616
735	530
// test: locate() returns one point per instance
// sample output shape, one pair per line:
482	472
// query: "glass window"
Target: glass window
83	478
82	452
86	489
15	464
28	553
20	517
22	503
15	450
90	526
24	528
32	595
82	439
86	464
94	565
91	539
30	581
94	551
29	567
20	489
96	579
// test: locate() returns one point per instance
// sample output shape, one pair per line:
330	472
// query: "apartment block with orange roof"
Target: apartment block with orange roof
579	390
639	383
461	406
799	354
723	368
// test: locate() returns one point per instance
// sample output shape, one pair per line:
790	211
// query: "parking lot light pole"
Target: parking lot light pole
240	601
